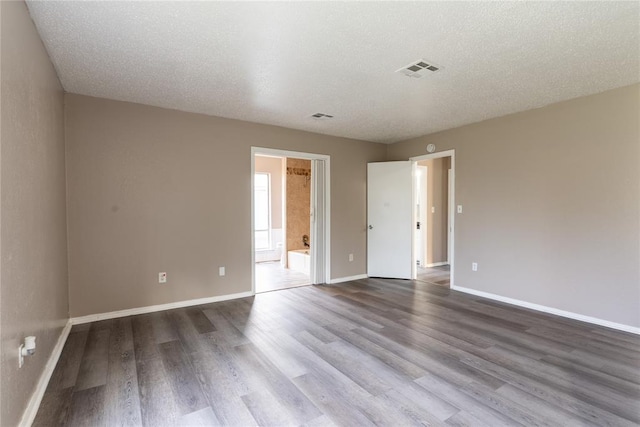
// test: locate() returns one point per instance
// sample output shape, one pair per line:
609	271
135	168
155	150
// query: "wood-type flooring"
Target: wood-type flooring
440	275
271	276
368	352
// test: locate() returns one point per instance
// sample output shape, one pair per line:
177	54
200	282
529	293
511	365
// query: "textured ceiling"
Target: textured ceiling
280	62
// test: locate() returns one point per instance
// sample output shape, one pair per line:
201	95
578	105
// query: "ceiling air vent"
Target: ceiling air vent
419	68
321	116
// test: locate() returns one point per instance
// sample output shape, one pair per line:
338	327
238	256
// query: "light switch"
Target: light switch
459	208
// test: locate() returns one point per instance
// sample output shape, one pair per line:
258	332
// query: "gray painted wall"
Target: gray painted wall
153	190
550	197
437	183
550	204
33	246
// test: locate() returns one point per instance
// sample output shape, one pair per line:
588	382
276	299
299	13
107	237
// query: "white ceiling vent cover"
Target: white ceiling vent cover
321	116
419	68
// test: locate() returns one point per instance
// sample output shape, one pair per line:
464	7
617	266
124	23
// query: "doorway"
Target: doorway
290	219
434	213
394	209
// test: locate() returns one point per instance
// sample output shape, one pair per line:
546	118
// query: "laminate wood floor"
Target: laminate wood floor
369	352
271	276
440	275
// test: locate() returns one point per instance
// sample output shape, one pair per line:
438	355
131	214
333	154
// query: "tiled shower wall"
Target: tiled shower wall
298	202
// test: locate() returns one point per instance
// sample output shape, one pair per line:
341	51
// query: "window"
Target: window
262	210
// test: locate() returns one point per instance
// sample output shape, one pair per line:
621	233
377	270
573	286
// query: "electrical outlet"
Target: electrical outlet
162	277
474	266
350	257
221	271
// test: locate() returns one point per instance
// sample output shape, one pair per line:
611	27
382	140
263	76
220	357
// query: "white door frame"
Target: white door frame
421	214
452	213
452	208
319	273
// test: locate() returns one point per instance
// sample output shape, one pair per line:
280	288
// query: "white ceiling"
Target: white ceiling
280	62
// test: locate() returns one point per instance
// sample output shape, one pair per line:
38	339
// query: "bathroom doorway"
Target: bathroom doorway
288	219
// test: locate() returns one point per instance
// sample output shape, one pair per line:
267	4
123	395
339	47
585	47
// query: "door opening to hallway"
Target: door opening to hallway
411	222
433	228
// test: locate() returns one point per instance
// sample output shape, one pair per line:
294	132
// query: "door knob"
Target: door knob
371	227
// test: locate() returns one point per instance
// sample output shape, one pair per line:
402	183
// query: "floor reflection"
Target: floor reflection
271	276
440	276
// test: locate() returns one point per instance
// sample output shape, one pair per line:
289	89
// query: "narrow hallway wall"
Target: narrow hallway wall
437	209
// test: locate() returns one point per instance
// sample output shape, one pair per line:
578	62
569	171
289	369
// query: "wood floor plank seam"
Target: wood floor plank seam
367	352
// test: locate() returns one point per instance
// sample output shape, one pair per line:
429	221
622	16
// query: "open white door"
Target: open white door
389	211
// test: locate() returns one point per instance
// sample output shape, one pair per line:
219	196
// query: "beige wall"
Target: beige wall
437	225
153	190
33	272
273	166
550	204
298	202
550	198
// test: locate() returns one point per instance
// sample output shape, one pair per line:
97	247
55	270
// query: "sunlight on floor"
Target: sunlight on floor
271	276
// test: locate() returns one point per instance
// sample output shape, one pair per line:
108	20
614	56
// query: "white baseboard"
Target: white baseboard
347	279
551	310
36	398
153	308
436	264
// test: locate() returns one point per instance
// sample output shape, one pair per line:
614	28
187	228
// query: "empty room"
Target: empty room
319	213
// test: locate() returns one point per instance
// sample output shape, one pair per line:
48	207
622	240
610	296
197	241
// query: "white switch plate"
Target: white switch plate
474	266
20	356
459	208
433	209
350	257
221	271
162	277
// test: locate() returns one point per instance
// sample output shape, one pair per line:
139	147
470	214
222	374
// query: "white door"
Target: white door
389	211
